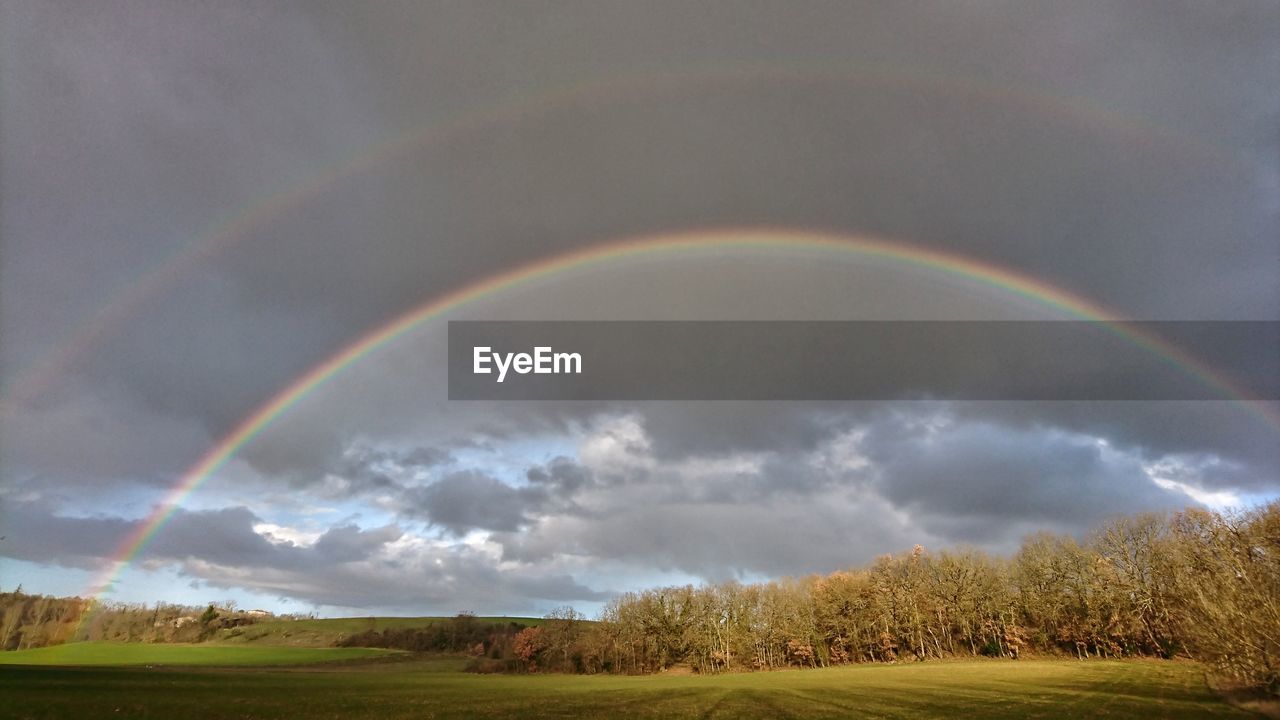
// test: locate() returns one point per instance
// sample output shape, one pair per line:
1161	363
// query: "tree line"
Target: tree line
491	643
1197	584
31	621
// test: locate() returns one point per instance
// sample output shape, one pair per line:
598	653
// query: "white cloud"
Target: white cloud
614	444
282	535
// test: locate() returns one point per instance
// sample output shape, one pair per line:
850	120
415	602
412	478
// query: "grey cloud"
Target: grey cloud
555	587
226	536
942	162
994	476
874	486
460	500
346	567
348	543
720	540
1206	472
129	132
469	500
1235	442
1226	434
91	435
680	429
47	538
440	582
367	469
562	476
424	457
903	478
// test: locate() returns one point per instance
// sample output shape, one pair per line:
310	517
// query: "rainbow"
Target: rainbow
33	380
790	242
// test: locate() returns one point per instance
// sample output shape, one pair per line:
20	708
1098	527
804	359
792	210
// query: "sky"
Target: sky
200	202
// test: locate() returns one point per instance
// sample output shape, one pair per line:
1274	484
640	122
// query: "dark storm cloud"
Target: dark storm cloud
103	433
1236	444
1044	187
1102	209
996	475
132	128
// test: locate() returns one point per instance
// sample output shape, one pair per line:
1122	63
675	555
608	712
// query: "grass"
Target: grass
105	653
432	687
323	632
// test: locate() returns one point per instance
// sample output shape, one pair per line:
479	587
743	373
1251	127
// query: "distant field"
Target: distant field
419	688
104	653
323	632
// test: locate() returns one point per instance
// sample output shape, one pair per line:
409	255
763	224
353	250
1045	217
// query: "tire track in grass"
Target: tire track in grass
746	703
846	709
715	707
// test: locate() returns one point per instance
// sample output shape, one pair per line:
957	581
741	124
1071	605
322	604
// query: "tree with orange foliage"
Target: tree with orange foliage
528	645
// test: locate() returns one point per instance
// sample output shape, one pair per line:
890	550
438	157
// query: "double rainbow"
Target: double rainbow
784	241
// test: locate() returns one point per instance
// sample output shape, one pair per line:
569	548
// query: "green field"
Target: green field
419	688
324	632
105	653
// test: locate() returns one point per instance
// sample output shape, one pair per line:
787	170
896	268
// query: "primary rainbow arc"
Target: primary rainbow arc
1006	280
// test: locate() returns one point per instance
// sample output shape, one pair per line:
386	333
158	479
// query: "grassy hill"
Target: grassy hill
432	688
326	631
109	653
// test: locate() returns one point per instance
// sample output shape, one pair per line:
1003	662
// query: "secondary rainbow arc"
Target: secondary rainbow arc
33	380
